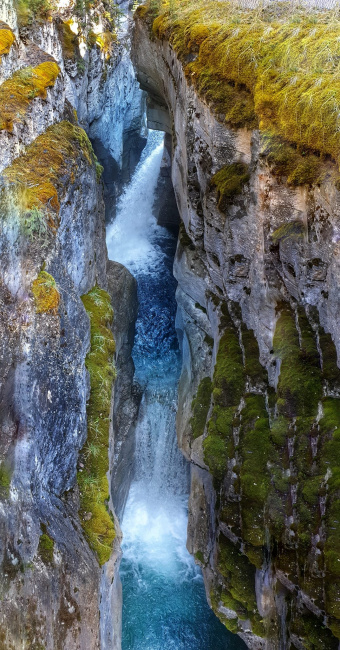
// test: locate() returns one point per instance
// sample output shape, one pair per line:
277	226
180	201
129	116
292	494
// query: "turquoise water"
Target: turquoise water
164	601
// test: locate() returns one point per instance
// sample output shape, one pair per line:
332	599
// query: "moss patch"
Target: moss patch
69	40
17	92
46	546
293	231
46	294
5	479
254	479
273	66
300	385
7	38
229	182
200	407
29	11
39	176
96	519
228	387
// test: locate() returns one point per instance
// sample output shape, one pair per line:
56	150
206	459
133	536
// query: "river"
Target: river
164	601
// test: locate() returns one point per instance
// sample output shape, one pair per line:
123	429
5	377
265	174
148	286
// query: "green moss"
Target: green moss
229	374
200	557
331	372
5	479
229	182
200	407
238	572
29	11
284	63
300	386
95	517
255	555
69	40
46	294
228	387
254	478
314	635
253	367
17	92
299	168
39	176
293	231
46	546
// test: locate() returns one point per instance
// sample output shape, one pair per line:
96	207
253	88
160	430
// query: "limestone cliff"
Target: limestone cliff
257	266
60	539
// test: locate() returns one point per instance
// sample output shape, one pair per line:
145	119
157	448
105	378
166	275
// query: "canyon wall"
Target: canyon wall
60	538
258	312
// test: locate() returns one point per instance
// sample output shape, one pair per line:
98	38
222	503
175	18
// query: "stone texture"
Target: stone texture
229	257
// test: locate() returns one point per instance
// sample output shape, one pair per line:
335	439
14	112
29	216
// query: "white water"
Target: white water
131	238
164	604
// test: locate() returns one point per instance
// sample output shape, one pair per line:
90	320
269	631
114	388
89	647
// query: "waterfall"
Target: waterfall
164	603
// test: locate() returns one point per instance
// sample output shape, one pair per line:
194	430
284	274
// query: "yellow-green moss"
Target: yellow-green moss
7	38
293	230
104	40
46	294
69	40
95	517
5	479
29	11
229	182
46	546
38	176
285	63
17	92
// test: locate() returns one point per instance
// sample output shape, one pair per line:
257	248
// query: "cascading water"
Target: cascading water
164	603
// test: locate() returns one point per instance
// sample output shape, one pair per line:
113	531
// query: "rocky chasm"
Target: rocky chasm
257	266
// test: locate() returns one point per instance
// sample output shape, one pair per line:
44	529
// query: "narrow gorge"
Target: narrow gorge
169	305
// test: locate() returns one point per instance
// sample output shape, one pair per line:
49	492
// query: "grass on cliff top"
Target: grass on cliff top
97	521
38	177
17	92
270	66
7	38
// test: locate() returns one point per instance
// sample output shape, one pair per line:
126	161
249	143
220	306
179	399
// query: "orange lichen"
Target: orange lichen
17	92
7	38
45	292
40	175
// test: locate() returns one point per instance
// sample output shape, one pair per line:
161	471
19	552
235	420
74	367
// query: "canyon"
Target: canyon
256	263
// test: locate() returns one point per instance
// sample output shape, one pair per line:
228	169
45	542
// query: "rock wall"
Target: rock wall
54	593
258	314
